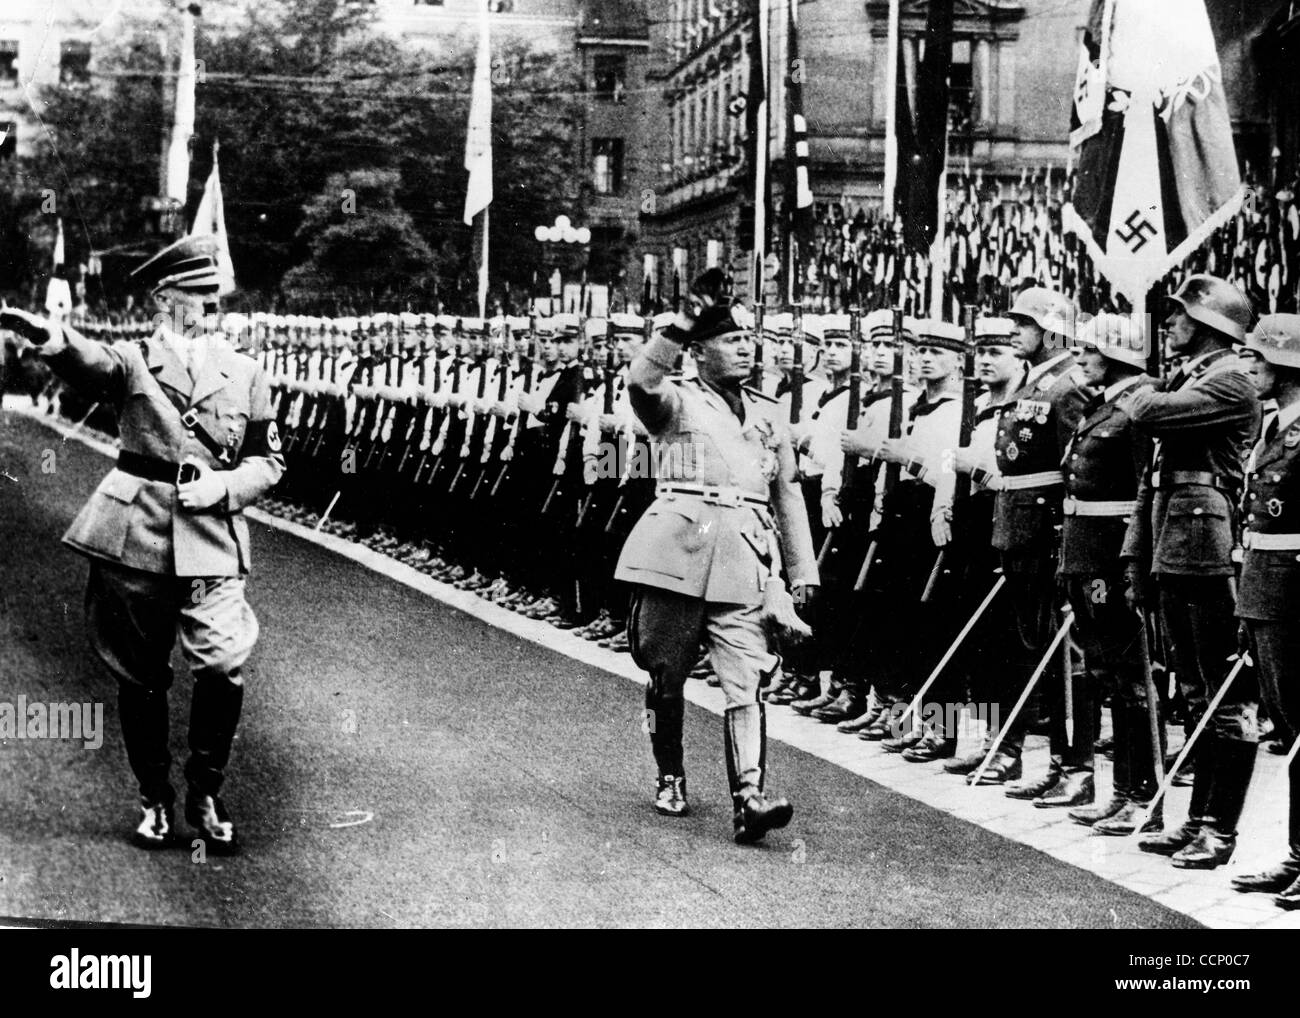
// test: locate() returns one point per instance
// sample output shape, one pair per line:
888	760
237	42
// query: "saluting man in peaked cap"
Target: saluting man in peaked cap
165	533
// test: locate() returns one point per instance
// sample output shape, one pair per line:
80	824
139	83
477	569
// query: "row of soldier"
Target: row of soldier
1018	475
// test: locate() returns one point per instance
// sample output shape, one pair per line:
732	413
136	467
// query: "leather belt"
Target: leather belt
1042	479
1270	542
1174	478
151	468
713	494
1079	507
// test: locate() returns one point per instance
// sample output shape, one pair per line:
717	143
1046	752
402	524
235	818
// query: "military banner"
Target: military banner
1157	167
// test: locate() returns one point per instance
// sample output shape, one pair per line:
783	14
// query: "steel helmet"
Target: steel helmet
1216	304
1277	339
1115	338
1051	311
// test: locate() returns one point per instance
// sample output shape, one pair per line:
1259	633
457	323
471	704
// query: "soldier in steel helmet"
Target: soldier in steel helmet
1202	419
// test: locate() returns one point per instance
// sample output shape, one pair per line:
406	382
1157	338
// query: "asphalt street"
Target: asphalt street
403	764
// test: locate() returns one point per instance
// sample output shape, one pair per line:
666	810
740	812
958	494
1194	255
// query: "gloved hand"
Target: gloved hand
1135	585
33	328
203	492
530	402
807	601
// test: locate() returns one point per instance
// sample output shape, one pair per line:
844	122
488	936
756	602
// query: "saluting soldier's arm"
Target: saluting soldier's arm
1227	397
1069	412
86	365
261	462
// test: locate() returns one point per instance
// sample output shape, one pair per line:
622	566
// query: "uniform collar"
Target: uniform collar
1113	391
1287	417
1038	371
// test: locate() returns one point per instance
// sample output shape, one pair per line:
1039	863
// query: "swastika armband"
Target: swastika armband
262	438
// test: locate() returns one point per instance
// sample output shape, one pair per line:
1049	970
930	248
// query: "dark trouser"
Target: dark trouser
1201	628
1109	634
1031	591
1277	660
133	618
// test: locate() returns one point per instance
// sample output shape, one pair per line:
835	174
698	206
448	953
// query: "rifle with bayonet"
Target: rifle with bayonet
796	367
848	472
892	470
528	365
620	503
497	433
756	373
961	490
471	418
607	408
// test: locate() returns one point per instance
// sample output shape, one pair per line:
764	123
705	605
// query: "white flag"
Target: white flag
210	220
178	151
58	295
478	141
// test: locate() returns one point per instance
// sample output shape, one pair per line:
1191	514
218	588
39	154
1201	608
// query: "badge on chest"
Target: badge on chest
1035	410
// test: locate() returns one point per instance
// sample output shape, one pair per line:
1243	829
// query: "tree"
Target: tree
300	91
365	249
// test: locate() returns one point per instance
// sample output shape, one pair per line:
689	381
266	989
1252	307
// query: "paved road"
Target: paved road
403	764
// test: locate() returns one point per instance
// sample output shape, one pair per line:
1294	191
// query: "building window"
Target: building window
961	89
609	76
8	62
607	165
74	63
8	139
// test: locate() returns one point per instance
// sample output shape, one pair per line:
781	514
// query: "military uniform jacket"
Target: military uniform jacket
1269	590
1103	466
1033	428
683	543
137	522
1203	420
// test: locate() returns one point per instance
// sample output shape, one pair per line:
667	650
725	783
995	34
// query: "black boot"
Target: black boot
664	718
214	716
745	734
1273	879
819	700
1121	752
143	714
848	704
1169	842
1234	763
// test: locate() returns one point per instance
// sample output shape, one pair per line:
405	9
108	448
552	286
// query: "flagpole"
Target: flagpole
483	269
761	155
891	111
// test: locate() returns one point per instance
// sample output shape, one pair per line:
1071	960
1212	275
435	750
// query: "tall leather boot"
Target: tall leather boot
1234	764
665	723
1141	769
745	735
1169	842
214	716
1123	750
143	713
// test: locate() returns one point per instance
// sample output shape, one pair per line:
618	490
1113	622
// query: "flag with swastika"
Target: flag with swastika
1157	167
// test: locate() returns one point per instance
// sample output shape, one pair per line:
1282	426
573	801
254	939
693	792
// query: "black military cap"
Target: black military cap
190	264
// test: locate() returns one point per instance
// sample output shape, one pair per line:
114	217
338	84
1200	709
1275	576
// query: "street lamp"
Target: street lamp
562	231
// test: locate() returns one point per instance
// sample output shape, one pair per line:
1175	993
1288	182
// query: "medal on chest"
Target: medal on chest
1012	451
1026	434
1274	507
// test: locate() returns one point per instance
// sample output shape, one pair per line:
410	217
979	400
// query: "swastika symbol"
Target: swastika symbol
1140	231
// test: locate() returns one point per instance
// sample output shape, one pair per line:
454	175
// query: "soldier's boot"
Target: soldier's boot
143	715
803	686
1169	842
1121	747
886	724
847	705
823	699
1139	763
1032	788
754	814
1076	788
214	715
936	744
1276	879
1234	764
664	719
871	711
778	689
